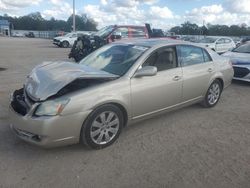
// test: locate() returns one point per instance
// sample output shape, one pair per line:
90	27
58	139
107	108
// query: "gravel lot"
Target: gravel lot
191	147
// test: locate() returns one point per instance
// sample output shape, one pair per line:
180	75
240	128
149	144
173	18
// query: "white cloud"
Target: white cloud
14	6
217	14
160	12
130	12
238	6
213	9
127	3
20	4
59	10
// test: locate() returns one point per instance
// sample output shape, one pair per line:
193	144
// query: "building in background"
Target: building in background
4	28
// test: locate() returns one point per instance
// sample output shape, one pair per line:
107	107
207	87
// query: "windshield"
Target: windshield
105	31
115	59
208	40
245	48
68	35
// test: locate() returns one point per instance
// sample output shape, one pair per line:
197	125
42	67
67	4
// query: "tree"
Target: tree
189	28
82	23
35	21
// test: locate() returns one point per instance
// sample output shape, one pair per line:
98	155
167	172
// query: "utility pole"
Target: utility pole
74	17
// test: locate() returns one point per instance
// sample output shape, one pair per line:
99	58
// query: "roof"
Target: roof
4	22
151	42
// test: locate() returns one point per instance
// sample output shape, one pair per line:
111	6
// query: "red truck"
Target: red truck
115	32
86	44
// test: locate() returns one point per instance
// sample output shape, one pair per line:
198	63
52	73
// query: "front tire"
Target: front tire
102	127
213	94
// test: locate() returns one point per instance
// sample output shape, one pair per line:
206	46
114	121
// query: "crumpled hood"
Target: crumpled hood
48	78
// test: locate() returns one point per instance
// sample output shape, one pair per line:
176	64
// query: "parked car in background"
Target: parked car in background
30	35
68	39
110	34
218	44
188	38
17	34
243	40
240	58
91	102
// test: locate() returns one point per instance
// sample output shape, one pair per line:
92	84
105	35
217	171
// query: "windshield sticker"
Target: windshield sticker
142	48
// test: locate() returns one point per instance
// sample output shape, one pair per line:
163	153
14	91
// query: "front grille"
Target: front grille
240	72
18	103
55	40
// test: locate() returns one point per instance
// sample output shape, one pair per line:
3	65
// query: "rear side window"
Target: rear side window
123	31
79	34
228	41
190	55
137	32
207	57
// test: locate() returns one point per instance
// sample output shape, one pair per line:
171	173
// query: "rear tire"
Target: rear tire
65	44
102	127
213	94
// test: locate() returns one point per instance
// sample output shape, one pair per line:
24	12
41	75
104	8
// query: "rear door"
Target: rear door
150	94
198	68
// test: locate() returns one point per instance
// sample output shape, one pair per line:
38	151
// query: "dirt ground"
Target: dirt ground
191	147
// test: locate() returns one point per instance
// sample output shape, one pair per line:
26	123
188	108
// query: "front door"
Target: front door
155	93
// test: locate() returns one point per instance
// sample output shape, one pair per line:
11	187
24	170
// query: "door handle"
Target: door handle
176	78
210	70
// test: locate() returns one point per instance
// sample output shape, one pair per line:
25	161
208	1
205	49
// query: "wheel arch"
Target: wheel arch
124	111
121	106
221	82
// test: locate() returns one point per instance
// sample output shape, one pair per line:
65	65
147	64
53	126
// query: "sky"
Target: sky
159	13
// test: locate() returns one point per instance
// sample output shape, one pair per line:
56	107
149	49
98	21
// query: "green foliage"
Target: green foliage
35	21
188	28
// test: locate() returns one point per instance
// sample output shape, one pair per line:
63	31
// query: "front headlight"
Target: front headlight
51	108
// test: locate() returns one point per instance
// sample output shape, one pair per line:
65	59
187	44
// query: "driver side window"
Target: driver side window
163	59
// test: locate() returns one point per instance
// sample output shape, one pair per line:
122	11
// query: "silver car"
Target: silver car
91	102
240	58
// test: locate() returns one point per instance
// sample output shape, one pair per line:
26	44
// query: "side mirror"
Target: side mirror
146	71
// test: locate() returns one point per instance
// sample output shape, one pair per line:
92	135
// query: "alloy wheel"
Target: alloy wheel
213	93
104	127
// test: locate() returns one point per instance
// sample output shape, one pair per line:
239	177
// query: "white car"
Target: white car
240	58
218	44
68	40
17	34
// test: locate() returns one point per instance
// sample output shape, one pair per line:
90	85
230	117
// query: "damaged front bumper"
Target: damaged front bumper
45	131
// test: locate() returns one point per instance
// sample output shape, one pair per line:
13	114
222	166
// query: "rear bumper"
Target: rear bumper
47	131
